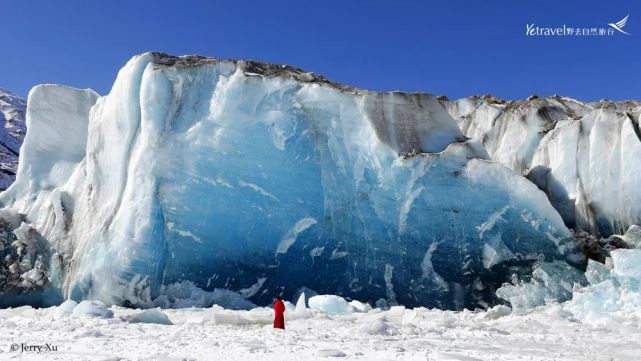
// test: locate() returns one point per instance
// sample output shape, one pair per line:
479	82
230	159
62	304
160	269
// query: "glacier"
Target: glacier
583	155
240	180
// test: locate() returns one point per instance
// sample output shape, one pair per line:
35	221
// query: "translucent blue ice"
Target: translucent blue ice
263	179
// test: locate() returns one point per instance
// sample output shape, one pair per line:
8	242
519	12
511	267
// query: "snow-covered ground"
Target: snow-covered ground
216	334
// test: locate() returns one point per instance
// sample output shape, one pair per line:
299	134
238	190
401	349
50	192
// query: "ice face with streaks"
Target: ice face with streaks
196	175
584	156
590	169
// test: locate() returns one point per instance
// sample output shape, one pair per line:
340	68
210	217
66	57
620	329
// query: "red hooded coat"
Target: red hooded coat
279	317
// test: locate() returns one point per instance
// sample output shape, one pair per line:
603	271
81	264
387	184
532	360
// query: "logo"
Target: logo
571	30
619	25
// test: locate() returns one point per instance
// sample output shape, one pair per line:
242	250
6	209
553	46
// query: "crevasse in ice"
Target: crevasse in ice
198	174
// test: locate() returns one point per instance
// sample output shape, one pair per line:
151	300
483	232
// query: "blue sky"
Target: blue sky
457	48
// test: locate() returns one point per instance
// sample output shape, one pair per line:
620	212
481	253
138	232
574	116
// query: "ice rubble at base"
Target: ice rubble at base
152	315
604	293
550	282
583	155
614	292
196	175
92	309
611	296
330	304
65	309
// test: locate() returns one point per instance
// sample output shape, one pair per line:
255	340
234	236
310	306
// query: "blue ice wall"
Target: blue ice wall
264	179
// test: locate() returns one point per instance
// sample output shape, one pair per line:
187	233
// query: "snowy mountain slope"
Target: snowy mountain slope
12	119
583	155
261	179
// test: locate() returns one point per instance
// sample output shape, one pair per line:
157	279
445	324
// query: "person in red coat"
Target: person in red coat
279	310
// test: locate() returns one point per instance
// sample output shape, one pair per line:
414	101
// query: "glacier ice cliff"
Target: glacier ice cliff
201	174
585	156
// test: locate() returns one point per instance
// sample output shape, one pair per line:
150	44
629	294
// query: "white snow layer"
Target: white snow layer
592	326
585	156
196	174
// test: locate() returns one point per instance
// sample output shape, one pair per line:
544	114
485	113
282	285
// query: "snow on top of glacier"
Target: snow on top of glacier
261	68
271	70
252	67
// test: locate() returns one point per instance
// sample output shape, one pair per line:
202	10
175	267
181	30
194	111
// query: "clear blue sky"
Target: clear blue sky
453	47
